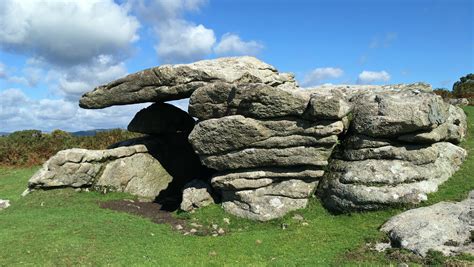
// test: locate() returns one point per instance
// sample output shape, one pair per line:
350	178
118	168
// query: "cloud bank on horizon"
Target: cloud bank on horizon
51	52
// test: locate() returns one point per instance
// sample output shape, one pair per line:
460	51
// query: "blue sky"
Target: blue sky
53	51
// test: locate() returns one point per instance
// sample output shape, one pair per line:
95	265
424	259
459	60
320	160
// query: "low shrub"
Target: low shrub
32	147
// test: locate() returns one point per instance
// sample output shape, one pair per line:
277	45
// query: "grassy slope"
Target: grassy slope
60	227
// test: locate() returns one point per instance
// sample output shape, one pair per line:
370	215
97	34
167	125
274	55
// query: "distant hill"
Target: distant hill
78	133
89	132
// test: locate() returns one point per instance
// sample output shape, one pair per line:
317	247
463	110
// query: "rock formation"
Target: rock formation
269	144
446	227
104	170
397	151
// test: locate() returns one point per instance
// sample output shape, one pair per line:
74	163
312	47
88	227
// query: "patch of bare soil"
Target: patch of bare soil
156	214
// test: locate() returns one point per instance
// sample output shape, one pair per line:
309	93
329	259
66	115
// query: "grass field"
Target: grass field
64	227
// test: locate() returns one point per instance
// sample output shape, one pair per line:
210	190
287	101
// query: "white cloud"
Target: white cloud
11	99
181	41
231	44
318	75
367	77
75	81
178	40
17	112
66	32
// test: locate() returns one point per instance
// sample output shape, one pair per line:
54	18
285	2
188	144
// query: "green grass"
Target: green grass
64	227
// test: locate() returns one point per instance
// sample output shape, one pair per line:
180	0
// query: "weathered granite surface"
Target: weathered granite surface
447	227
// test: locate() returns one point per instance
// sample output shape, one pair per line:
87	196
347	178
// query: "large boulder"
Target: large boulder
256	100
124	169
140	175
172	82
238	132
396	151
388	179
446	227
161	118
392	113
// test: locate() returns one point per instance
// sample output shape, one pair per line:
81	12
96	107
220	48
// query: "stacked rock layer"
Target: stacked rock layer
269	145
398	149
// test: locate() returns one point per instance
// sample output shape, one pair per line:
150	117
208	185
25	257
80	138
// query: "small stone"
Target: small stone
152	234
4	204
298	217
196	225
214	226
284	226
78	189
26	192
178	227
215	234
212	253
226	220
220	231
379	247
193	230
258	241
196	194
42	204
304	223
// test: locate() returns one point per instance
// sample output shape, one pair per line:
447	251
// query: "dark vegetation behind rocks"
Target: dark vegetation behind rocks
464	88
32	147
